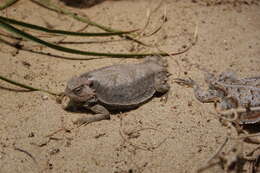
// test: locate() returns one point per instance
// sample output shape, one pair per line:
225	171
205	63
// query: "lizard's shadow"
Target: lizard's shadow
252	128
82	3
87	111
112	110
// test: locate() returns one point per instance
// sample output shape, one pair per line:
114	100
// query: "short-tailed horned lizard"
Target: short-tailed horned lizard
116	87
239	98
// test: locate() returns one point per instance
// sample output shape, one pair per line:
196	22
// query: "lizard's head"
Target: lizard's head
79	89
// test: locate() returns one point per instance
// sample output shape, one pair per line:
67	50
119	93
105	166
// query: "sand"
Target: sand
176	136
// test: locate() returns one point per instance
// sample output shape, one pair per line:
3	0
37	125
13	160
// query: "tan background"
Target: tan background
174	137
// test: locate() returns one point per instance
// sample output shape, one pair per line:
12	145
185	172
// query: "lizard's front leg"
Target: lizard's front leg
204	96
101	114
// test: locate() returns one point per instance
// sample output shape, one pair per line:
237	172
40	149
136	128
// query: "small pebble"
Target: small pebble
54	151
45	97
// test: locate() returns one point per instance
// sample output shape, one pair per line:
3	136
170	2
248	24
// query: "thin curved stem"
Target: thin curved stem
14	30
47	4
54	31
26	86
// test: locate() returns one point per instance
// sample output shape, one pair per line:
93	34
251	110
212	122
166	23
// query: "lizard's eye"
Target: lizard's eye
77	91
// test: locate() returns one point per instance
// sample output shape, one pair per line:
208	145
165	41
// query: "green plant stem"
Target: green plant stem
75	51
47	4
21	47
26	86
40	28
7	4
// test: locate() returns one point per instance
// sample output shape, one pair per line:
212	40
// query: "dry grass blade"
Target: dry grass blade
209	160
126	136
47	4
164	19
27	153
247	136
7	3
26	86
63	32
28	36
218	151
18	46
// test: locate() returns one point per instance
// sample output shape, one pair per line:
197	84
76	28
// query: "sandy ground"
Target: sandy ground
177	136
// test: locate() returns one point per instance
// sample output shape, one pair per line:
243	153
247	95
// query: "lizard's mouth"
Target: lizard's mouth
65	100
69	104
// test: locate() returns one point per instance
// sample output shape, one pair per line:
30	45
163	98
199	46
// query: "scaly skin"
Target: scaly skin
241	96
117	87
